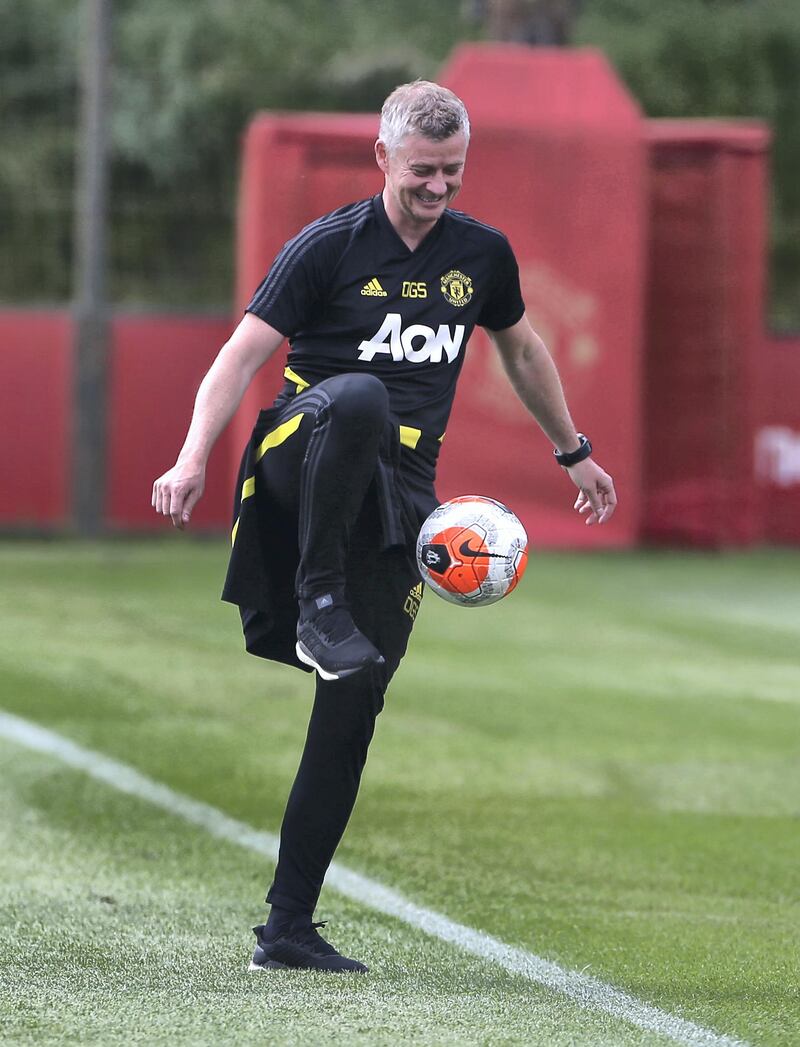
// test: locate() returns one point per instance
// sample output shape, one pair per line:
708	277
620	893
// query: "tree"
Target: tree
733	58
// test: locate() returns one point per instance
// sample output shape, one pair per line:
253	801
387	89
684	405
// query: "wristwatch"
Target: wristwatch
568	458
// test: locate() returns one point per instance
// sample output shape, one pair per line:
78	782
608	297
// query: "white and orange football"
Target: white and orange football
472	550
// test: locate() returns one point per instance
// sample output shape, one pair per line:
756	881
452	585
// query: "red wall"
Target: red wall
777	440
557	161
704	333
157	363
34	417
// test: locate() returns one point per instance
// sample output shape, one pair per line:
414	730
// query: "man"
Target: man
378	300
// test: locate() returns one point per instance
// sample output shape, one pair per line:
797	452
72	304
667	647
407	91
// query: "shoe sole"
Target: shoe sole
307	658
275	966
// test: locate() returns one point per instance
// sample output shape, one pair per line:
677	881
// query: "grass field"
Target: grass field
603	771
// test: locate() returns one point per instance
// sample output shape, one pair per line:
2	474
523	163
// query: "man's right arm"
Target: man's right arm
253	342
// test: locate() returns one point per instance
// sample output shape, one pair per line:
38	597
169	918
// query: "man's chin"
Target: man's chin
430	212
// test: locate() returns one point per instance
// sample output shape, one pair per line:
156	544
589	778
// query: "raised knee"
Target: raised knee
362	399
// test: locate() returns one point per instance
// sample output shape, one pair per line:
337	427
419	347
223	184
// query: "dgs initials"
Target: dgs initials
412	289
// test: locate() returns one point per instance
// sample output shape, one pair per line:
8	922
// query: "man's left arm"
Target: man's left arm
535	379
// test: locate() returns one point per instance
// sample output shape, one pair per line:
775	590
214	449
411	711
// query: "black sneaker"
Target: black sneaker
328	641
300	948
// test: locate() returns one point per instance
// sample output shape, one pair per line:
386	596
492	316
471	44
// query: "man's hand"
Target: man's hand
597	495
177	492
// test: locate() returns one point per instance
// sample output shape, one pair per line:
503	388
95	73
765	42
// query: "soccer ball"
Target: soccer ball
472	550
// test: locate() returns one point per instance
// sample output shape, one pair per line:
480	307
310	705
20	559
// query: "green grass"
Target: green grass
602	770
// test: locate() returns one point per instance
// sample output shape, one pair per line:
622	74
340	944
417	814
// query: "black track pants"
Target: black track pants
321	477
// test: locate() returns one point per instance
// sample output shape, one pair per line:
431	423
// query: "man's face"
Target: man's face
423	176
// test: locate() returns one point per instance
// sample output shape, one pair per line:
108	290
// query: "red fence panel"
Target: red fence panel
777	440
557	162
704	330
157	363
35	408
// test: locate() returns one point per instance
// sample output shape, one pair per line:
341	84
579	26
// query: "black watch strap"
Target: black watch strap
568	458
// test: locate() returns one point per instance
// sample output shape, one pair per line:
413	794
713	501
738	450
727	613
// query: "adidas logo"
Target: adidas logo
416	592
374	289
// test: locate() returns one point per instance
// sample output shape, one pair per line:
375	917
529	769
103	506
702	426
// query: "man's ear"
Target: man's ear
381	156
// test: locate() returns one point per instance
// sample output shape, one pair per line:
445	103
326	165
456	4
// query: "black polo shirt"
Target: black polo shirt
350	296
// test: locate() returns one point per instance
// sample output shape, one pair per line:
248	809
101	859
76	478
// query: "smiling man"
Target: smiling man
378	301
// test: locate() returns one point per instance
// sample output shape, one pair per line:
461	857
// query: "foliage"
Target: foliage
188	75
38	96
736	58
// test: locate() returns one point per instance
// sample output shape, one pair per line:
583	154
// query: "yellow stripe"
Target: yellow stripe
248	489
277	436
273	439
442	437
409	436
290	375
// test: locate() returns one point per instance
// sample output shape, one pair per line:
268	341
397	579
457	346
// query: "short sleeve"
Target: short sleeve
290	294
504	306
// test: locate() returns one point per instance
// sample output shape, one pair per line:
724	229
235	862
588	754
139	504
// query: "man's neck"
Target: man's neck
411	233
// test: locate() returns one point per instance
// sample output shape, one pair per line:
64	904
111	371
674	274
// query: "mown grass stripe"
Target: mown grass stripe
586	991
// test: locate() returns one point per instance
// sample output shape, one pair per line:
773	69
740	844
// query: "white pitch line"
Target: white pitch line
587	991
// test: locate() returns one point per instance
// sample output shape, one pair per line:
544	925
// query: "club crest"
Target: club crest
456	288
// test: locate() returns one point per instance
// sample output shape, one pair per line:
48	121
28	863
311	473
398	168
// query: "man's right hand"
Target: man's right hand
177	492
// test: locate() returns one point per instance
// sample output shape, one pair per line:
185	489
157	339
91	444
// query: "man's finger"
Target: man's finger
188	506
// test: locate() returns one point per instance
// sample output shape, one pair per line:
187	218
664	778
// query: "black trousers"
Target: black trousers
321	483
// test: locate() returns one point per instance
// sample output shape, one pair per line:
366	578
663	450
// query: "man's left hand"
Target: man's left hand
597	496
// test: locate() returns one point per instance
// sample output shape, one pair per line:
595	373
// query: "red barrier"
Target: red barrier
704	330
777	441
157	363
35	369
557	162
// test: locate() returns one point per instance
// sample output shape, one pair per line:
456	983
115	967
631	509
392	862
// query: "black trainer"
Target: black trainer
328	640
300	947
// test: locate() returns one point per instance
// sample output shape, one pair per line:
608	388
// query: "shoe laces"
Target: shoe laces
334	624
310	936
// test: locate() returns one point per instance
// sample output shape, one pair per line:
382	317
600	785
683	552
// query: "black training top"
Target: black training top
351	296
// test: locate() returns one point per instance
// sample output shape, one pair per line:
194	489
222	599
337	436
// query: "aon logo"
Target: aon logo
416	343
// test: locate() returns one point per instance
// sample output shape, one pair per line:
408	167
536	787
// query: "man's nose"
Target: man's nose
437	184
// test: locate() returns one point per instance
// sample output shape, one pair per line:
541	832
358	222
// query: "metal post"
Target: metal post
90	312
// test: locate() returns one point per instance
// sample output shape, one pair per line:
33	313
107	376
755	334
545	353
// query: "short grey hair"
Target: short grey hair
424	108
